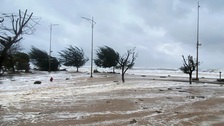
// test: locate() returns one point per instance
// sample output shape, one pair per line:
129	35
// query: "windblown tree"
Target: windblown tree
127	61
106	57
9	63
73	56
16	61
189	66
12	28
41	60
21	61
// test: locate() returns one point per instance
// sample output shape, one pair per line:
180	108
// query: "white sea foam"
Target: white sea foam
17	89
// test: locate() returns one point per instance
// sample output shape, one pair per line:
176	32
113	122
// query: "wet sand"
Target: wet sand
105	101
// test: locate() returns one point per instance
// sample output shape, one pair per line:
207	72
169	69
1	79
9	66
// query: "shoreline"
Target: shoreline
105	100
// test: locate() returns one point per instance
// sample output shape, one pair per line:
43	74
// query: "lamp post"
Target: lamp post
92	24
198	44
49	58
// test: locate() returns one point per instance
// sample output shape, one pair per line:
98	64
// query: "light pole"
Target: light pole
92	23
197	46
49	58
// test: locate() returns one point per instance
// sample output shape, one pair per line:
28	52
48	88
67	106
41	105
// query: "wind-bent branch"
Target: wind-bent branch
126	63
188	66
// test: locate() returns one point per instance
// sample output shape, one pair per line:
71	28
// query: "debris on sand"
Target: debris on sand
176	112
182	91
169	89
133	121
37	82
161	90
158	111
193	97
144	107
140	99
168	98
203	97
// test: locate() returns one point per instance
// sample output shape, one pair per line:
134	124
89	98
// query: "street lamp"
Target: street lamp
92	23
49	58
198	44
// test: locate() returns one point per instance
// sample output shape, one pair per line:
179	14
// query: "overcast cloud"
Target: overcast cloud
161	30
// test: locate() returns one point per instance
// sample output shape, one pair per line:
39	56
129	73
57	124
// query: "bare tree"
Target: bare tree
11	33
188	66
127	61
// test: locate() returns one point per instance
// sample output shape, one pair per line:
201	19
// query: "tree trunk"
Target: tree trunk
2	57
122	74
27	68
190	78
11	60
1	60
77	69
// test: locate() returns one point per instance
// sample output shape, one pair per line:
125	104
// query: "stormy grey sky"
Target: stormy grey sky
161	30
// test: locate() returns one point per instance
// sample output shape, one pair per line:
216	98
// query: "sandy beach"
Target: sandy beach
76	99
